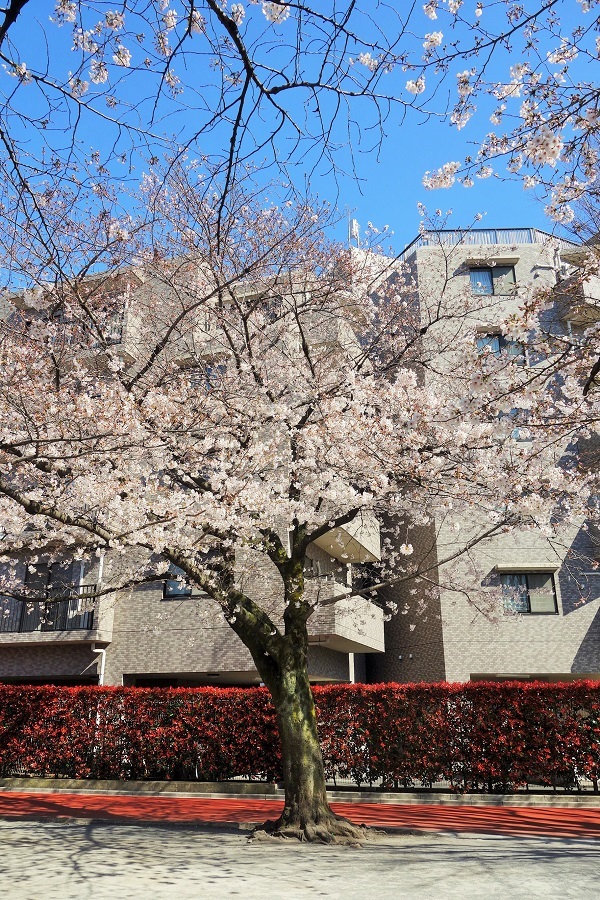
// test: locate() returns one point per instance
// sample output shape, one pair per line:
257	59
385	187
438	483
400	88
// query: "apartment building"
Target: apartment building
167	632
547	622
163	633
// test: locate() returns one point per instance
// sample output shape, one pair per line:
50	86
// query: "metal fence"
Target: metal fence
25	616
489	236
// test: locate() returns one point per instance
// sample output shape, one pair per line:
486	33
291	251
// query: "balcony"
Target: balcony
121	332
358	541
35	618
350	625
579	299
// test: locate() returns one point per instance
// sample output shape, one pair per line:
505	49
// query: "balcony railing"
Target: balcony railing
452	237
25	616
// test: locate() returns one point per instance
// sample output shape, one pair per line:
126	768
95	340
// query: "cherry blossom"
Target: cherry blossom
416	87
122	56
433	39
275	12
98	72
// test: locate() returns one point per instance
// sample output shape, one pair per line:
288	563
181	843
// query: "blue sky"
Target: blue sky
392	187
388	183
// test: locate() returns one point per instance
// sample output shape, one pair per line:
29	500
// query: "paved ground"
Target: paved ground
100	860
542	821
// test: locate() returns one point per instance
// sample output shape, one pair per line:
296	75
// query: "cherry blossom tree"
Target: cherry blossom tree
265	389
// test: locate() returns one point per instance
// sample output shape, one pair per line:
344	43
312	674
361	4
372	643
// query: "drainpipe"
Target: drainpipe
102	652
351	672
100	567
81	574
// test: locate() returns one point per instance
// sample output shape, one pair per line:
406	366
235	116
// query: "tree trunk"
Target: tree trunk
306	814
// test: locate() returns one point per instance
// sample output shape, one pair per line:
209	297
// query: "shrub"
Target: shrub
476	736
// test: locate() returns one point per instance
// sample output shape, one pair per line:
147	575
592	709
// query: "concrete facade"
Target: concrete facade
475	636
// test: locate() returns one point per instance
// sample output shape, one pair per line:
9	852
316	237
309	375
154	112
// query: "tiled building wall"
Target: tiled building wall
477	636
75	663
481	638
414	645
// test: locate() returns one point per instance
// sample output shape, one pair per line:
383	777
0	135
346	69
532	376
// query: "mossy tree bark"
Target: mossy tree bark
281	657
306	814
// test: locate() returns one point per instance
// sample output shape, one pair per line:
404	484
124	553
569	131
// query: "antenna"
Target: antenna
353	232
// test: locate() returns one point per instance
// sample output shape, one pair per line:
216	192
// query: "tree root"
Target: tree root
329	829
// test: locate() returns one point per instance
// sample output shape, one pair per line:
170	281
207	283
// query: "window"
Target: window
111	322
38	578
493	280
209	376
529	593
519	418
55	603
176	588
497	344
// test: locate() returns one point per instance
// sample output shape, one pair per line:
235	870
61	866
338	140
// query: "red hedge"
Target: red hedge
479	735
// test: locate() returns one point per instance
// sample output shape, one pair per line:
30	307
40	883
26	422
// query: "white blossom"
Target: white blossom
565	53
65	11
461	116
197	22
433	39
161	43
416	87
77	86
98	72
173	82
20	71
367	60
529	111
275	12
464	85
169	19
430	9
443	178
237	13
590	120
115	21
84	40
560	212
122	56
544	147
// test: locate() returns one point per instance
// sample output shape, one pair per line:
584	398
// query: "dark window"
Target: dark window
177	587
214	374
493	280
55	603
497	344
519	418
38	577
530	593
209	376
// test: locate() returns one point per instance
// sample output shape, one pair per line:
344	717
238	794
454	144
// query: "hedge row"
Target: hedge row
475	736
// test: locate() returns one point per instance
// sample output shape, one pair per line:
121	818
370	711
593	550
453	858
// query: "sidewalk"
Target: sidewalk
514	820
